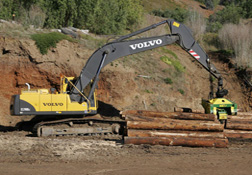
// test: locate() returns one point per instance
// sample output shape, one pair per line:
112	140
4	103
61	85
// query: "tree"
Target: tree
60	13
247	8
209	4
230	14
107	17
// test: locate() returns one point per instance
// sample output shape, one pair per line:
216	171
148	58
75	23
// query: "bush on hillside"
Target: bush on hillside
45	41
230	14
239	39
197	24
245	5
108	17
99	16
178	14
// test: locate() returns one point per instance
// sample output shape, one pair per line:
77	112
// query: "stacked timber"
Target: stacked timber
173	129
239	126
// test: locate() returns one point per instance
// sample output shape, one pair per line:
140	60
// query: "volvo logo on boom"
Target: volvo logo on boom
146	44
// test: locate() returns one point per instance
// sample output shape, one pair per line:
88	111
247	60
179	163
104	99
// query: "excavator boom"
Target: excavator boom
122	47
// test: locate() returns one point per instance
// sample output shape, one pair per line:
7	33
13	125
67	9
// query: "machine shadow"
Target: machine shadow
107	110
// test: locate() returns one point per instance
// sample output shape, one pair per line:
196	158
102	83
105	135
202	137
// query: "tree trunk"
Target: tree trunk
176	125
239	126
238	134
173	134
178	109
239	117
172	115
192	142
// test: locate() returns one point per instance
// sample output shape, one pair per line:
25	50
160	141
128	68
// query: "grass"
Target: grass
45	41
175	63
165	50
92	42
148	91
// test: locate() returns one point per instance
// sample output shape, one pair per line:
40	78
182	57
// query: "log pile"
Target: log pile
239	126
173	129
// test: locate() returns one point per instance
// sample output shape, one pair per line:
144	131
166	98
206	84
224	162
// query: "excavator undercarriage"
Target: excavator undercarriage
87	126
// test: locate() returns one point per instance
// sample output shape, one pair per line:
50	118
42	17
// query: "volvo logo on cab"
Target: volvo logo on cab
53	104
146	44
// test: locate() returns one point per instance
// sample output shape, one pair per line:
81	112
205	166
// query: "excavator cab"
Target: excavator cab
50	102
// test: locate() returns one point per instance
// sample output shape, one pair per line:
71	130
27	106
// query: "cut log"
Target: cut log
179	109
238	134
238	126
243	121
236	117
154	119
191	142
172	115
176	125
244	114
172	134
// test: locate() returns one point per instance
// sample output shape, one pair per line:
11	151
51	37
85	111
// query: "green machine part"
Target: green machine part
220	107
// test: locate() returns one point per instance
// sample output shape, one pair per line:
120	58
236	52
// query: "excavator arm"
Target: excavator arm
122	47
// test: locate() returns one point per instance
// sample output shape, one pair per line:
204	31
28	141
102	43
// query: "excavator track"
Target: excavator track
79	126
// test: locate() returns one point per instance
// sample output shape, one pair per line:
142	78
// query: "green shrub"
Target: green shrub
178	14
175	63
181	91
168	80
148	91
230	14
212	39
108	17
45	41
165	50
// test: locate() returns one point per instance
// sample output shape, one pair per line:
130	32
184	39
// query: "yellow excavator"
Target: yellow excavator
77	94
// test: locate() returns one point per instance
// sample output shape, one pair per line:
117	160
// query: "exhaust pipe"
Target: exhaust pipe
29	87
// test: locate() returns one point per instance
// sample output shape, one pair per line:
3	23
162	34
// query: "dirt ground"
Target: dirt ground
21	154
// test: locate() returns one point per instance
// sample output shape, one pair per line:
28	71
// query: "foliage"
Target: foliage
181	91
101	17
212	39
201	1
60	13
45	41
179	14
197	23
35	16
176	64
168	81
247	8
245	5
209	4
230	14
239	39
165	50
